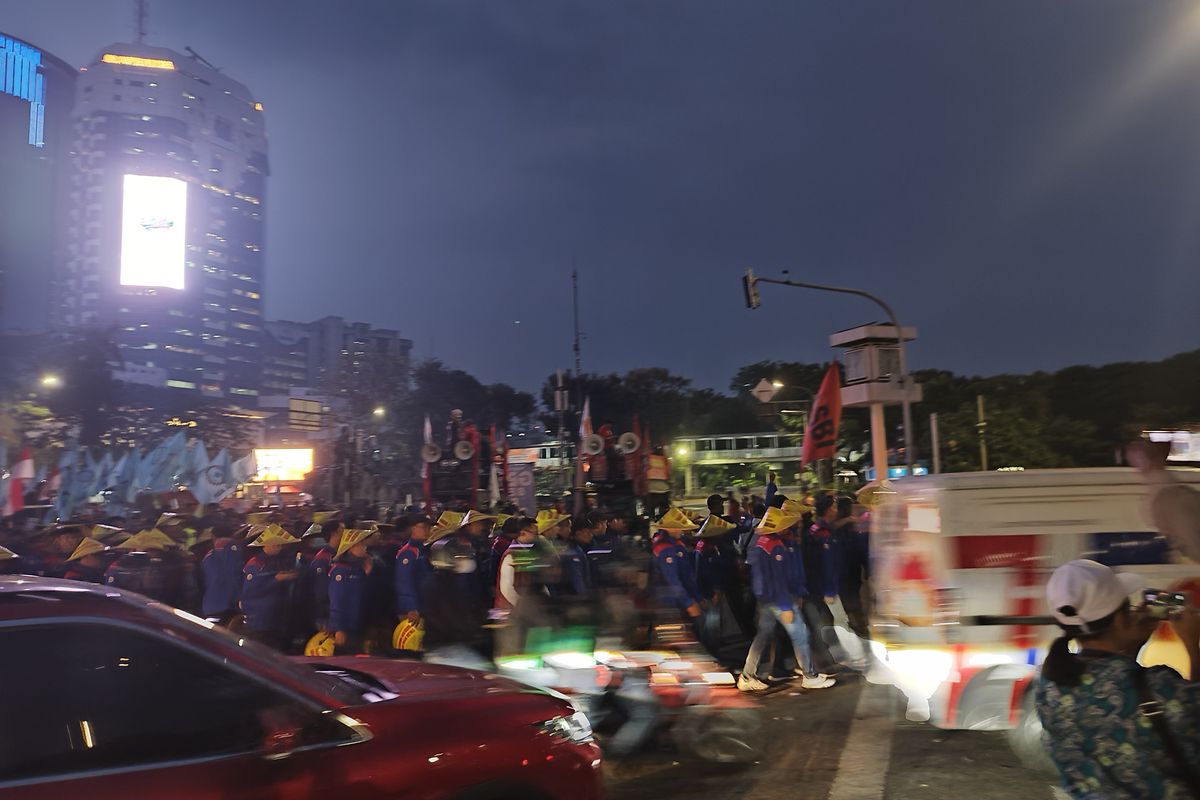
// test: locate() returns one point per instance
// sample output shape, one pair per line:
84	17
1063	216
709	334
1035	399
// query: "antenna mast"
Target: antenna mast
575	300
140	13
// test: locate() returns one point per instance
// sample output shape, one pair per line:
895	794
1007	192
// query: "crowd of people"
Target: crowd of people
762	584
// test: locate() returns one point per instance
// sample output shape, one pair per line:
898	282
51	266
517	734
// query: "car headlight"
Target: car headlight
575	728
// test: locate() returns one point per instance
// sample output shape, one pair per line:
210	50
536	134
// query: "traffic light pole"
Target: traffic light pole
750	284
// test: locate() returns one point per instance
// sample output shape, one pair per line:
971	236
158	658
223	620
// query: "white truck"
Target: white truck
959	566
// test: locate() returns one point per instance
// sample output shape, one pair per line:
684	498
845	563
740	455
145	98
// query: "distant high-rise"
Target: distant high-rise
37	91
168	204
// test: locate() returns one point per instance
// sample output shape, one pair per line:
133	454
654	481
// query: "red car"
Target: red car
107	694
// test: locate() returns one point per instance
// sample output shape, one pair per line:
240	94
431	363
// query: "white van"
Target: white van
959	566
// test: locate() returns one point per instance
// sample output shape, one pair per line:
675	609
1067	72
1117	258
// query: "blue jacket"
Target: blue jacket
347	597
221	571
264	599
577	574
854	557
715	565
821	560
770	572
412	576
672	571
797	578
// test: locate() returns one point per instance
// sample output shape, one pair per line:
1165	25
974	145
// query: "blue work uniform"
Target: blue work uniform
348	597
797	578
410	583
821	560
715	565
577	573
221	572
771	572
264	599
672	570
772	579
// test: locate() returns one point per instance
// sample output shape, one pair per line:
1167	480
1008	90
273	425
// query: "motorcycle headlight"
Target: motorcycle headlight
575	728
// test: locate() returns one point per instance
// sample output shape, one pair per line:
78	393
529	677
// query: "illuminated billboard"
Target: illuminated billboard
153	231
283	464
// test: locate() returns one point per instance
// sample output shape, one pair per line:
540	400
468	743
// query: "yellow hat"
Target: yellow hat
103	532
258	517
549	518
321	517
794	508
321	644
87	547
169	518
6	554
408	635
501	519
272	534
776	521
152	539
475	516
675	520
446	524
351	538
715	526
873	494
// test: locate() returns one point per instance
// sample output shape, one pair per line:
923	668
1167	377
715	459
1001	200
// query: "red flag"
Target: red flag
820	437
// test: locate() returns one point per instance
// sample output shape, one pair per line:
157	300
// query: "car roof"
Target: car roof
10	584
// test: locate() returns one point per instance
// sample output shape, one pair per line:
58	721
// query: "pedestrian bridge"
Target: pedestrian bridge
762	450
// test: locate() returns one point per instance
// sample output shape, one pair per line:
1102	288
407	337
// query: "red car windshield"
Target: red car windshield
327	683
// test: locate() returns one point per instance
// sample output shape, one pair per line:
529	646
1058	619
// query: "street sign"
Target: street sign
764	391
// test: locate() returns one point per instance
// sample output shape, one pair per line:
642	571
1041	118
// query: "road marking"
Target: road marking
863	767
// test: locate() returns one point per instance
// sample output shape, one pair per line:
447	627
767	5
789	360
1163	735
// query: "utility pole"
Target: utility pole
140	13
750	285
981	426
935	443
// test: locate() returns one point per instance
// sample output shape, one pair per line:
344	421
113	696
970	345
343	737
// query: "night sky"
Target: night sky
1020	178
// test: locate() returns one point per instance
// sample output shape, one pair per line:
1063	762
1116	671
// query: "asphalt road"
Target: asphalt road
850	742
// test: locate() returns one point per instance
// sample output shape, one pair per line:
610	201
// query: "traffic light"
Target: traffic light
750	287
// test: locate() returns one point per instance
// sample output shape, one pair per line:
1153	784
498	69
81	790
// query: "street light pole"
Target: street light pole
750	284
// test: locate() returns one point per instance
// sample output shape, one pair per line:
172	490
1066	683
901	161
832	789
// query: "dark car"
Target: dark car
109	694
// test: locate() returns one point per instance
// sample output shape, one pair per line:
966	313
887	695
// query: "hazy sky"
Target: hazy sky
1020	178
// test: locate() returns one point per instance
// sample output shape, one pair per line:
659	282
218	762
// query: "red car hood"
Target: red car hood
416	680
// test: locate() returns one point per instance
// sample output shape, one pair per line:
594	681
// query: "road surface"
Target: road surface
850	742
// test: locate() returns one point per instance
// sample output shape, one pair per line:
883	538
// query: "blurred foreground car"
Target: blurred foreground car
110	695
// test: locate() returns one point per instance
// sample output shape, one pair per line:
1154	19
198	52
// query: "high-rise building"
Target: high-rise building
166	230
37	91
352	359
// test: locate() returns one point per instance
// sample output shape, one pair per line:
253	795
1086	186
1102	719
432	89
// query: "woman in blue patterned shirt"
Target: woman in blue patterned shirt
1089	701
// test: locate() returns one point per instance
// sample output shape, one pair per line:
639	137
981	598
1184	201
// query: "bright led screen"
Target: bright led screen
153	231
283	464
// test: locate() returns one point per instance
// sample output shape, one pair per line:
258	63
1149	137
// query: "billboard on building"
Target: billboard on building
283	464
153	231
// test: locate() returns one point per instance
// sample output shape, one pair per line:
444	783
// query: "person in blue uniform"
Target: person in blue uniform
267	579
820	549
318	573
716	565
221	576
413	569
348	590
854	565
671	565
773	578
577	573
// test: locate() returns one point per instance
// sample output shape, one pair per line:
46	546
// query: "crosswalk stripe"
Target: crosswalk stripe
863	767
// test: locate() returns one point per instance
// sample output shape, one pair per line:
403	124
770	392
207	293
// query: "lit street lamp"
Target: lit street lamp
51	381
379	412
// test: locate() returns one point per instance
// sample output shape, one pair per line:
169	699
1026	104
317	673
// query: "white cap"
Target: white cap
1083	591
